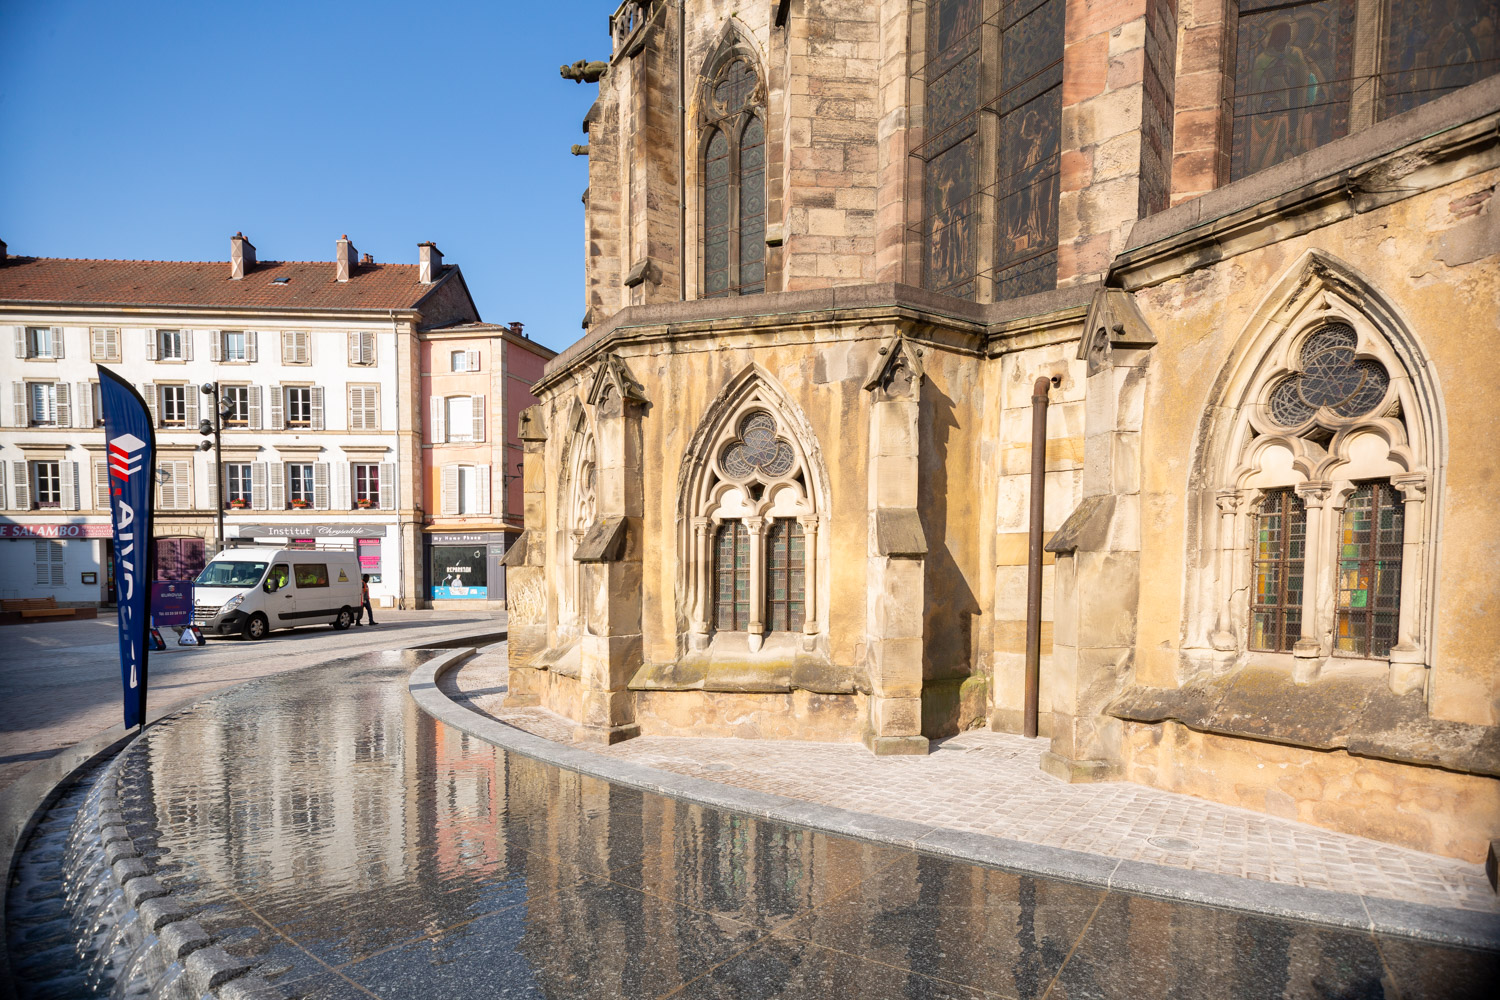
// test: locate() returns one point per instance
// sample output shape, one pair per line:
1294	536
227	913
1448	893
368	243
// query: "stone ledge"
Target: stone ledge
778	667
1357	714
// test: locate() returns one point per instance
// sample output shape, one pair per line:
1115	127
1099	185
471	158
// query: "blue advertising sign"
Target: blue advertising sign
172	603
131	454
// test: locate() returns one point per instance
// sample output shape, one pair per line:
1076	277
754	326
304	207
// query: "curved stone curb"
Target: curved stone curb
1446	925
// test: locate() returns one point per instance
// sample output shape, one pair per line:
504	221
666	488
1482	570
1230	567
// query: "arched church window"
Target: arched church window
785	562
732	575
734	184
1276	600
1369	585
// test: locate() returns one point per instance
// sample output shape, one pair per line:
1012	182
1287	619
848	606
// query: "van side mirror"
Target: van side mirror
270	585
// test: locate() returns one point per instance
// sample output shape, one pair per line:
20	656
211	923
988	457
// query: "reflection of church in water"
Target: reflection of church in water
782	486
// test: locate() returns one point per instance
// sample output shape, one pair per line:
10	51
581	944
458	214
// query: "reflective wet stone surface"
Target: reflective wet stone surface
321	824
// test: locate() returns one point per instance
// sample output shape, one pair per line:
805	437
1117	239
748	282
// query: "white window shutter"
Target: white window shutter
101	484
288	348
112	345
277	398
187	345
20	341
278	485
317	407
387	486
216	346
258	485
252	346
482	488
471	361
372	407
150	345
191	392
480	417
367	348
215	488
69	472
84	402
341	487
448	502
64	405
97	349
58	342
320	485
22	485
354	339
439	435
4	496
301	348
254	407
148	390
18	396
185	484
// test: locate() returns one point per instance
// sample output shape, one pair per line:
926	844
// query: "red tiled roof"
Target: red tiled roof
308	285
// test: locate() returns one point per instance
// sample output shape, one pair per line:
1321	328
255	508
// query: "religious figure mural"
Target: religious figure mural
1030	127
950	174
1433	47
1291	85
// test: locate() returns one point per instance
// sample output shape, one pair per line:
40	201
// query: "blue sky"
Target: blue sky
156	130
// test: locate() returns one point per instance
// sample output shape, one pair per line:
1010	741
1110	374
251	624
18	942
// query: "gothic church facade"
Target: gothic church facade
781	488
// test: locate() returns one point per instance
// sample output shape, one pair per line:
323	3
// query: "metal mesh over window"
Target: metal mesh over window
786	566
1279	553
732	576
1368	602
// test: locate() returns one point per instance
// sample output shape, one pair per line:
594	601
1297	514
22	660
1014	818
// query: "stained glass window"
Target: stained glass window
1330	375
732	576
757	449
1368	602
951	152
1030	106
1279	552
785	558
734	186
1293	63
1433	48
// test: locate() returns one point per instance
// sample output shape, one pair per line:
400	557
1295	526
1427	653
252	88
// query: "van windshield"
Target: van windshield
231	574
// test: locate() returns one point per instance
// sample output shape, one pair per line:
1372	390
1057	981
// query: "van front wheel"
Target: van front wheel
256	627
344	620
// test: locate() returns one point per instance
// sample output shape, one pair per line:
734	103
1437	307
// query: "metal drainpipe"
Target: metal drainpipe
1034	548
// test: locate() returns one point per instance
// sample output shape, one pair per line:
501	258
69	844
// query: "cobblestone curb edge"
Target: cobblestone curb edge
1430	923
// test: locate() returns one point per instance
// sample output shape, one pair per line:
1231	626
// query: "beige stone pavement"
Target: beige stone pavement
990	783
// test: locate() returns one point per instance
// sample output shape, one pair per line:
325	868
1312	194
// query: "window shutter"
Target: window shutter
85	404
215	488
254	407
301	349
187	345
342	487
477	402
97	350
70	496
252	347
320	485
43	560
448	502
354	339
20	341
101	484
216	346
150	345
317	407
64	405
439	435
367	348
372	407
258	485
482	488
18	396
473	361
148	390
4	497
112	345
57	342
387	486
191	392
276	405
288	349
278	485
22	485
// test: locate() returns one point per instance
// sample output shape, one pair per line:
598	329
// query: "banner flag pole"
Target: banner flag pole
131	457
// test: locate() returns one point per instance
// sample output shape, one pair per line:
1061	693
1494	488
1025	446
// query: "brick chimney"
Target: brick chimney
345	257
516	328
241	256
430	262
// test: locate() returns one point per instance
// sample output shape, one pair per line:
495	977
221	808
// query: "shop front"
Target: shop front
464	568
69	561
378	546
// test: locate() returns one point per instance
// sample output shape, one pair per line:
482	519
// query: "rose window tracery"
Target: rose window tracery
1329	375
757	449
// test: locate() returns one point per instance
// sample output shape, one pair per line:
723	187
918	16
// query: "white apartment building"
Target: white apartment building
318	373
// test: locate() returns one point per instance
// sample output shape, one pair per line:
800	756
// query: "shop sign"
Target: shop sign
172	603
311	530
11	530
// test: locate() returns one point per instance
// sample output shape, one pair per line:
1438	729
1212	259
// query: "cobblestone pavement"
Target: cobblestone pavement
60	681
991	783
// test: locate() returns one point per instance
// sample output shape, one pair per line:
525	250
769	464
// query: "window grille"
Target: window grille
1279	556
732	572
1368	601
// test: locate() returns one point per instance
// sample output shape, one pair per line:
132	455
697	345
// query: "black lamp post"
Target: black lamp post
211	429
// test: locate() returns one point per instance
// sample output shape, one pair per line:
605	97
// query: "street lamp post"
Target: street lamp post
212	428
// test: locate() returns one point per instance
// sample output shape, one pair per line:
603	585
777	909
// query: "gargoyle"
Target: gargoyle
584	71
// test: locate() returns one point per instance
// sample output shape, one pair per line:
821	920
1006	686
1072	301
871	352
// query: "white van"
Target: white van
251	590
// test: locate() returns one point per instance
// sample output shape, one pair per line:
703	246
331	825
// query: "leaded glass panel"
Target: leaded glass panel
753	208
1433	48
732	577
1330	376
716	217
1030	146
1368	602
757	449
951	197
785	573
1280	526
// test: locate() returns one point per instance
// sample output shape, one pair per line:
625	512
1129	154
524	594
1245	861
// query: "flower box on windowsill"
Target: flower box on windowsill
301	505
365	504
239	505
